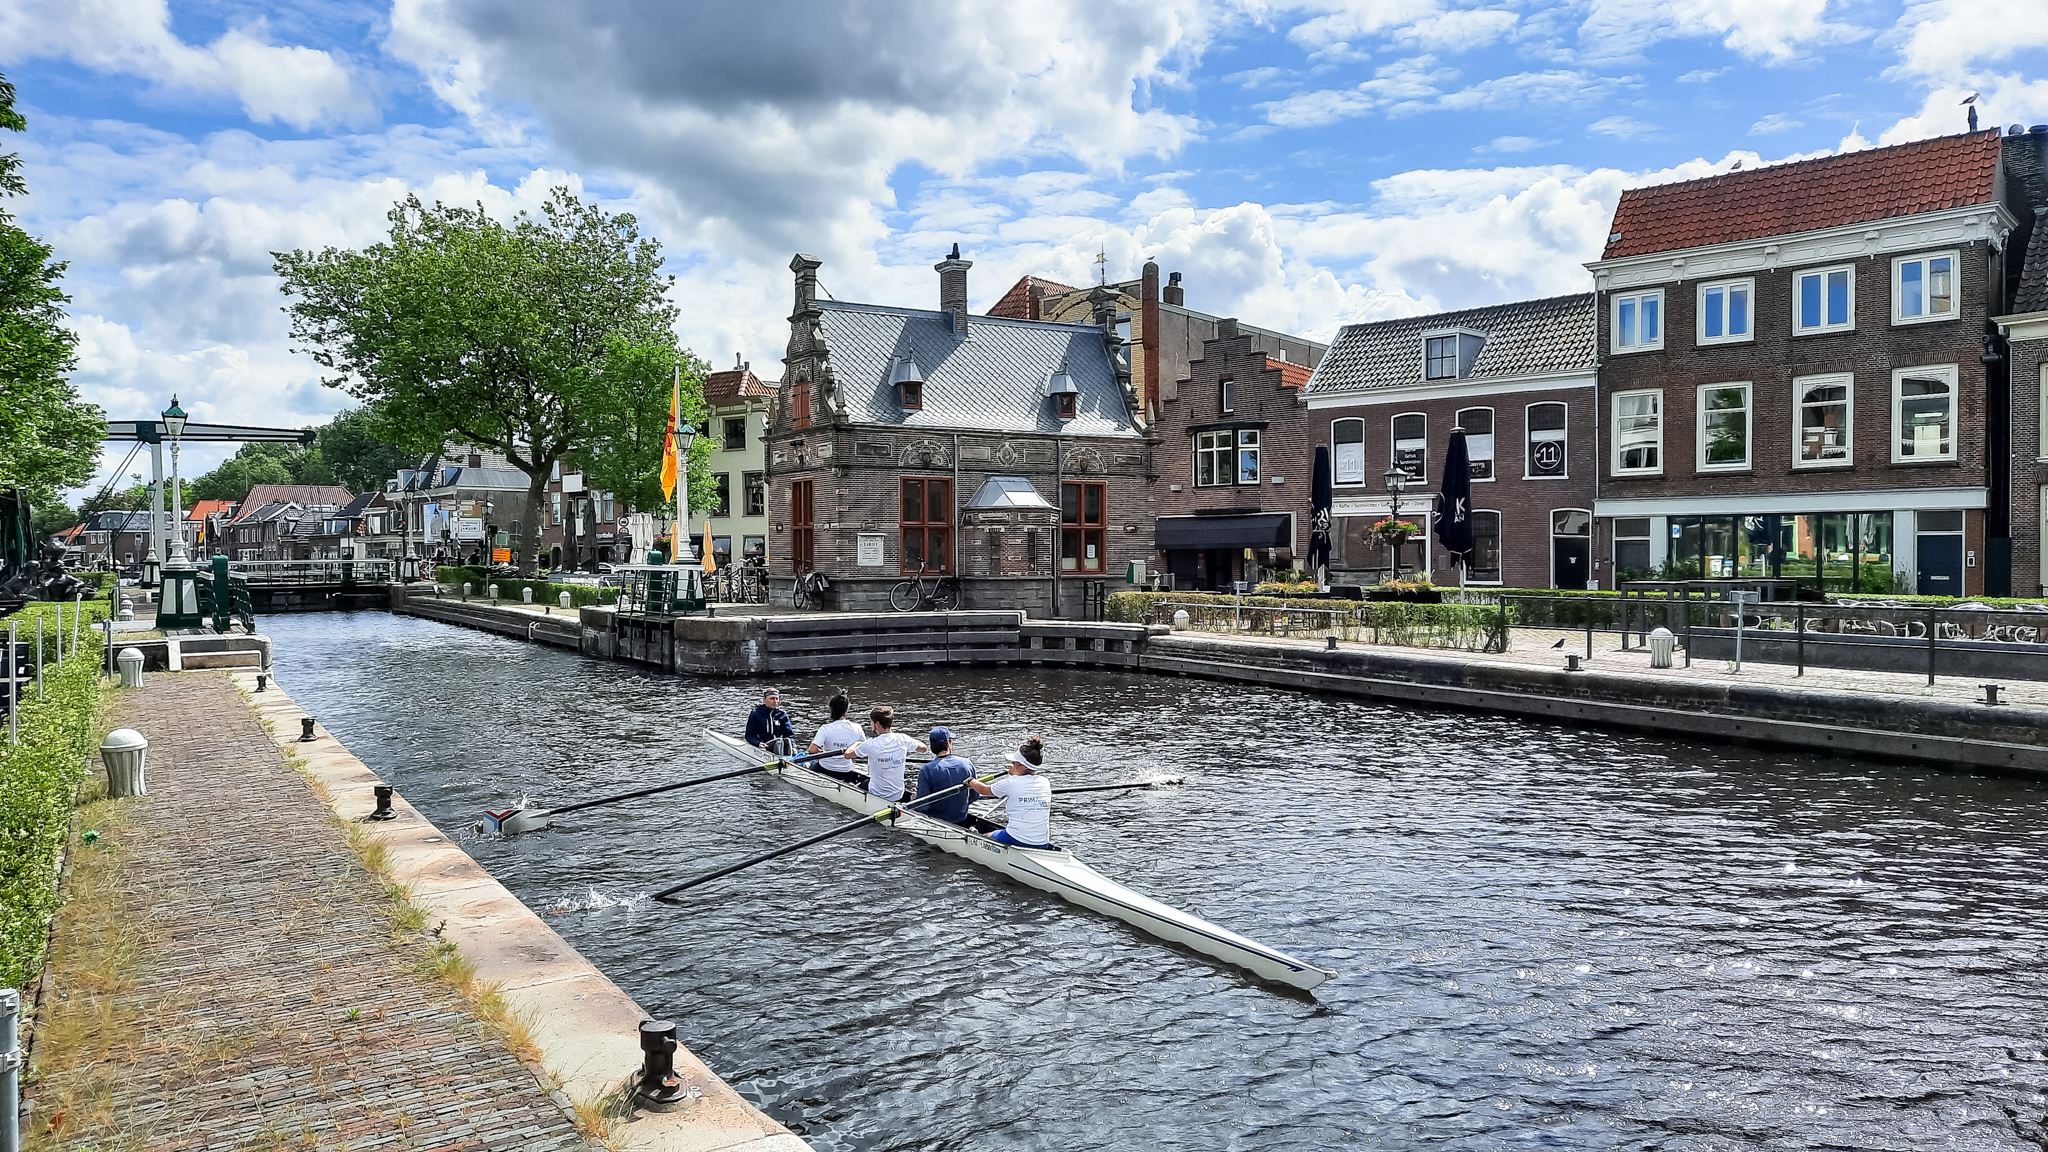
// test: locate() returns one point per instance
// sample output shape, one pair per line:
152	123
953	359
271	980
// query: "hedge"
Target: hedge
580	595
1468	626
38	787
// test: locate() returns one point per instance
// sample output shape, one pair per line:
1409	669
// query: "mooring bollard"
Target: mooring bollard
492	592
565	601
1662	642
262	681
305	729
1571	662
1333	642
658	1082
130	661
1991	692
125	752
383	810
465	591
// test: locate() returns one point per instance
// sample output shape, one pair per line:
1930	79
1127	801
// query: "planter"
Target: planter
1382	596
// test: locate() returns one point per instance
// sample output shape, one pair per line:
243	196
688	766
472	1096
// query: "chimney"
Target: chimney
953	290
1226	329
1147	353
806	269
1173	294
1036	306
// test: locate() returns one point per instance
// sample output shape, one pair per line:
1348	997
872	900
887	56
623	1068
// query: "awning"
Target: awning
1006	493
1259	530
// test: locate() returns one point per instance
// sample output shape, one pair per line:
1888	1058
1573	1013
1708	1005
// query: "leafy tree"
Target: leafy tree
459	326
49	439
359	450
630	399
254	464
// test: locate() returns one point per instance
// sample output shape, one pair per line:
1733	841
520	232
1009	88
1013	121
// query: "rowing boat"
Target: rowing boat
1053	870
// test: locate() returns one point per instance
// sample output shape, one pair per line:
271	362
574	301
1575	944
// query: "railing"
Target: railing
1468	627
236	606
738	584
304	573
661	590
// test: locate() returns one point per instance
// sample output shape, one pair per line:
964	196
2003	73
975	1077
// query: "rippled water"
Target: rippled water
1547	936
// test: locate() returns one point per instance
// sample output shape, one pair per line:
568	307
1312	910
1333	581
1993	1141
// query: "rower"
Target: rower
768	725
945	773
1029	794
886	752
837	736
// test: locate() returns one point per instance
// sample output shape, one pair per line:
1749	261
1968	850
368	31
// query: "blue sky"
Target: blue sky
1303	163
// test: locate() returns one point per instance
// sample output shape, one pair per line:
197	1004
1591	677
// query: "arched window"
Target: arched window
1347	451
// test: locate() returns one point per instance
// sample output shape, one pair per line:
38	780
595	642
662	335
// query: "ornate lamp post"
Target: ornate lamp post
1397	481
686	435
180	606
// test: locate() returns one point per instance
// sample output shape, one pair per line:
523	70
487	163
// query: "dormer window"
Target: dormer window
909	384
913	395
1441	353
1065	404
1066	398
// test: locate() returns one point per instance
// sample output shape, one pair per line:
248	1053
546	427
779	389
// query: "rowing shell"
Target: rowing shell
1051	870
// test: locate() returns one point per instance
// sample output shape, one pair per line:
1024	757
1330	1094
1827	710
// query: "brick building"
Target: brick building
1519	379
1006	452
2026	352
738	404
1234	460
1793	378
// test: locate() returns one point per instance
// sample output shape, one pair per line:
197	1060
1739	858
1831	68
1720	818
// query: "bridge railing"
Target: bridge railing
325	573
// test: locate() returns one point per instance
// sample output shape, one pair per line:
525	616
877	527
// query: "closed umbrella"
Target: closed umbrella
1454	505
1319	514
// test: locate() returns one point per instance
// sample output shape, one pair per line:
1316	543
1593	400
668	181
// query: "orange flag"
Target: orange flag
668	443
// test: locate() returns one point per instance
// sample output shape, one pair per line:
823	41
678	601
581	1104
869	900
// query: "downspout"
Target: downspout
957	566
1059	497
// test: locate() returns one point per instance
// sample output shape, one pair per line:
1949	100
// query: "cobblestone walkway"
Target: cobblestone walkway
280	1011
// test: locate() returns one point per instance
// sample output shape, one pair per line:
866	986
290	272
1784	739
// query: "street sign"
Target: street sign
501	555
469	527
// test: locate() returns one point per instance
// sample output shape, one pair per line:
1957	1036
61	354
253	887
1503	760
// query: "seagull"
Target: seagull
1971	100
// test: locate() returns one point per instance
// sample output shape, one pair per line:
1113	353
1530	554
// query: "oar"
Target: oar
885	814
1163	782
525	819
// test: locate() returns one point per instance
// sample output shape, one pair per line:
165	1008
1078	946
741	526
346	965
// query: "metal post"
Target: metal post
13	688
1799	636
1930	647
159	540
1739	614
1685	607
1589	635
77	612
10	1070
39	656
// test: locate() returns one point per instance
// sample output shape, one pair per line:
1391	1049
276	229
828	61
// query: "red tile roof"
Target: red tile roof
734	383
1876	184
202	509
1016	303
1292	375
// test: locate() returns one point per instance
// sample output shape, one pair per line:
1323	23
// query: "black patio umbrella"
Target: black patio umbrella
1454	504
1319	510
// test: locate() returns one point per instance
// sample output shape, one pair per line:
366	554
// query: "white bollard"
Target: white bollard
492	592
526	594
131	667
123	752
1180	620
565	600
1662	642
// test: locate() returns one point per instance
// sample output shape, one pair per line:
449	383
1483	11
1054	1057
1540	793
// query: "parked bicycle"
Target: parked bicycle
940	593
809	591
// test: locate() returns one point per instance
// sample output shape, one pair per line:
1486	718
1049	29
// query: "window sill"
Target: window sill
1910	321
1638	348
1722	341
1657	475
1623	475
1945	462
1722	470
1823	466
1834	331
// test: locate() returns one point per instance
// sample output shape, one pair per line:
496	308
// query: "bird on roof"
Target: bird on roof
1971	100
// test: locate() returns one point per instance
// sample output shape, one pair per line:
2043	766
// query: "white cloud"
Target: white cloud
1775	122
1945	48
1511	144
1416	85
282	84
1621	128
1771	31
1703	75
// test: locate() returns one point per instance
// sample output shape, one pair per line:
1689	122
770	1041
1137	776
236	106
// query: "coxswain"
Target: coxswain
1029	794
886	752
768	725
837	736
945	773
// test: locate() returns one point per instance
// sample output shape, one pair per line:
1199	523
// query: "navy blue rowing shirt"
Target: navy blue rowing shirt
945	772
765	724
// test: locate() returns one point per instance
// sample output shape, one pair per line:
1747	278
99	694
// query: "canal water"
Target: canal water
1546	936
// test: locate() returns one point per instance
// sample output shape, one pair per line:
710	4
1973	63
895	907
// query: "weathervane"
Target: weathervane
1102	266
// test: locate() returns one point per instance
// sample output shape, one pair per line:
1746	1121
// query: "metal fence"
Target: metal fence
1474	628
325	573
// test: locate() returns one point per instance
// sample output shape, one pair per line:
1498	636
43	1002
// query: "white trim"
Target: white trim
1566	441
1948	374
1799	385
2024	326
1500	548
1699	312
1823	328
1394	444
1493	438
1965	225
1614	303
1551	522
2041	423
1362	477
1955	286
1699	429
1796	503
1614	417
1443	390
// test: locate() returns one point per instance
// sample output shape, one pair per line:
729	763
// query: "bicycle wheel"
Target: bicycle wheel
800	595
905	596
946	596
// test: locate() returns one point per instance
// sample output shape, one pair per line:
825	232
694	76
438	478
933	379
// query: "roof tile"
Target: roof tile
1525	338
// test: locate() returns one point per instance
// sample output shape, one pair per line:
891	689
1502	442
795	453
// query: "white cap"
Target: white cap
1017	758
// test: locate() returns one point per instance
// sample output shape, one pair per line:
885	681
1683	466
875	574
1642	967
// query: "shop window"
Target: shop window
1632	548
1477	424
1347	448
1411	443
754	547
927	525
1485	548
1083	520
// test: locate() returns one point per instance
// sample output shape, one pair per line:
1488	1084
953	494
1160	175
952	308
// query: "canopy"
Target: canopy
1257	530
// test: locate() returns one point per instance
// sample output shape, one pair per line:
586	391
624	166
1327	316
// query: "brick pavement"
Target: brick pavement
263	934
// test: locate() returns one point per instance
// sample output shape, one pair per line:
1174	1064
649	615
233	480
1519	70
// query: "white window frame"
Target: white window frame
1748	286
2041	445
1614	321
1247	440
1226	396
1564	437
1500	543
1421	476
1228	464
1699	405
1614	417
1826	379
1944	372
1955	294
1362	477
1492	440
1849	325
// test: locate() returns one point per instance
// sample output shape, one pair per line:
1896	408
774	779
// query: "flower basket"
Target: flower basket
1392	533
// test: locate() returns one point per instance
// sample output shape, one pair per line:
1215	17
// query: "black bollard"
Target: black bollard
262	681
306	730
658	1082
383	812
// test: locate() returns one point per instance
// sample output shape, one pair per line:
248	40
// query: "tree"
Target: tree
254	464
459	326
630	397
49	439
359	452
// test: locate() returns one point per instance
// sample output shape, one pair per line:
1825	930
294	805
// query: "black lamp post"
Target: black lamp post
1397	481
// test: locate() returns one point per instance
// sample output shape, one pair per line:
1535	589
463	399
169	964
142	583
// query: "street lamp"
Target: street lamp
1397	481
174	423
686	435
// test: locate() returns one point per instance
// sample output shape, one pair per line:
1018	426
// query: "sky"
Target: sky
1302	164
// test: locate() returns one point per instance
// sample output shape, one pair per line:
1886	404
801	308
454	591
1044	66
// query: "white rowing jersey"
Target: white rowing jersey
886	754
1030	800
837	736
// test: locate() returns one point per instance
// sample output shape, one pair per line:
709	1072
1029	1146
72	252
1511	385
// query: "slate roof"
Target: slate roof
993	381
1016	303
1525	338
118	521
357	506
305	495
2033	291
1875	184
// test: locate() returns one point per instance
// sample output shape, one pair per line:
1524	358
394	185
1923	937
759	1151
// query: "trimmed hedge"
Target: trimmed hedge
1467	626
39	786
580	595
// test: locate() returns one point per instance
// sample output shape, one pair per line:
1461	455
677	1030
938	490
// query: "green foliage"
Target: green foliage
357	450
39	781
628	401
580	595
502	335
254	464
1476	627
49	438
